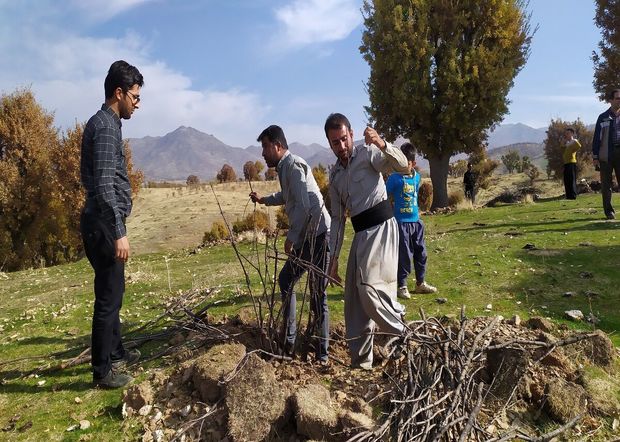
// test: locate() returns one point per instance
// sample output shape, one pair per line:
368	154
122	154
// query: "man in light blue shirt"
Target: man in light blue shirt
307	238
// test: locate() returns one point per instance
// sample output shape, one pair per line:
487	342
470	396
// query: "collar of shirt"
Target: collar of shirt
283	160
108	109
354	151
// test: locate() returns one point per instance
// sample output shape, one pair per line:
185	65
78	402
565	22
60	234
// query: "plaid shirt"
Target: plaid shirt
104	170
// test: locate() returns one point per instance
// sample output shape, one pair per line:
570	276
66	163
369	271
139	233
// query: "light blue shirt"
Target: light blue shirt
302	200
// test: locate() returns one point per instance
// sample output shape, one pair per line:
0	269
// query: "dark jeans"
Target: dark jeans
109	288
317	252
411	246
470	194
570	180
608	168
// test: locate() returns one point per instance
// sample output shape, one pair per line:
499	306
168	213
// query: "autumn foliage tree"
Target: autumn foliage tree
41	195
607	59
226	174
271	174
554	146
440	72
250	172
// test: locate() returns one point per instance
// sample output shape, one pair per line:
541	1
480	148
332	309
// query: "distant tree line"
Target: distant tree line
41	196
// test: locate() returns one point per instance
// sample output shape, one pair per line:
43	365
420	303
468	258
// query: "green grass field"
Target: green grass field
476	258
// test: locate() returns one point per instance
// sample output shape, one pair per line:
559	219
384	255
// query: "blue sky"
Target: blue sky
232	67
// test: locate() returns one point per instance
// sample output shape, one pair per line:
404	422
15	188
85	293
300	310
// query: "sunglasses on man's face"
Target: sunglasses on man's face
135	98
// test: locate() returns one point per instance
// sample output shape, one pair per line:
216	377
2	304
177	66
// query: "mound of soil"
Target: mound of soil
234	391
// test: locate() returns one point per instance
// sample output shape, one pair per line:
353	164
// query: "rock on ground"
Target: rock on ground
211	367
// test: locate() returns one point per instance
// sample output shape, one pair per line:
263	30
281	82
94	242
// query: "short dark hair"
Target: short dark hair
570	129
612	94
274	134
336	121
121	74
409	151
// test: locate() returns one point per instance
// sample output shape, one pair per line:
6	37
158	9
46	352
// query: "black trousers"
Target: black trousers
106	344
316	251
570	181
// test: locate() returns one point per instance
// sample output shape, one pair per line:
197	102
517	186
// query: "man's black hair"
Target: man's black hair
612	94
336	121
274	134
409	151
121	74
571	130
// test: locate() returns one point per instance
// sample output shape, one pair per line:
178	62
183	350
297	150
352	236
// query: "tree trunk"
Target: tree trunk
439	177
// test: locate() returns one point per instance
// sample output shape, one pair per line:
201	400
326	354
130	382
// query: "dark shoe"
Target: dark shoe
611	215
131	356
114	379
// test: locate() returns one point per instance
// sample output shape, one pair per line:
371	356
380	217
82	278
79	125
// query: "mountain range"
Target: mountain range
187	151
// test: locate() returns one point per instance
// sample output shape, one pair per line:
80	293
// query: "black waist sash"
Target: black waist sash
372	217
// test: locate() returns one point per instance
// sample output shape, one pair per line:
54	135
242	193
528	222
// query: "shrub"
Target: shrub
218	232
455	198
281	219
425	196
258	220
533	173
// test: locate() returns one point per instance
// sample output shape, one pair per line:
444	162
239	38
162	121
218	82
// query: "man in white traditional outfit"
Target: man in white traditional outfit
356	186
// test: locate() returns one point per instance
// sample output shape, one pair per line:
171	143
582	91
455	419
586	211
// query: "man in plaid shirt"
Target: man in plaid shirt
108	204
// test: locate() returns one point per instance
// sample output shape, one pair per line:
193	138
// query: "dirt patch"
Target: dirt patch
266	398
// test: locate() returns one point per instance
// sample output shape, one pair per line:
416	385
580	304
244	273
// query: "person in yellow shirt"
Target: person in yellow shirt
571	146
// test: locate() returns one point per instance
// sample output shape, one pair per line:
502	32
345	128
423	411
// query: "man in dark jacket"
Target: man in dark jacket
108	204
469	182
606	149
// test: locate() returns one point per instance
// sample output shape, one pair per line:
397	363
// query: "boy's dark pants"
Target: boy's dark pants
570	180
411	247
109	288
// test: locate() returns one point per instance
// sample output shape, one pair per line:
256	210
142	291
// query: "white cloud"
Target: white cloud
66	73
305	22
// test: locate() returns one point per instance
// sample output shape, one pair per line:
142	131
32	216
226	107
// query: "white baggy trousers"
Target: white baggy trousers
370	290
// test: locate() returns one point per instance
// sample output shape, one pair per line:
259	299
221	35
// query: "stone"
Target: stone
441	300
568	294
574	315
515	320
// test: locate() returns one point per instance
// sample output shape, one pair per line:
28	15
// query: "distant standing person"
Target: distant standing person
307	238
403	188
469	183
108	204
571	146
356	186
606	149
